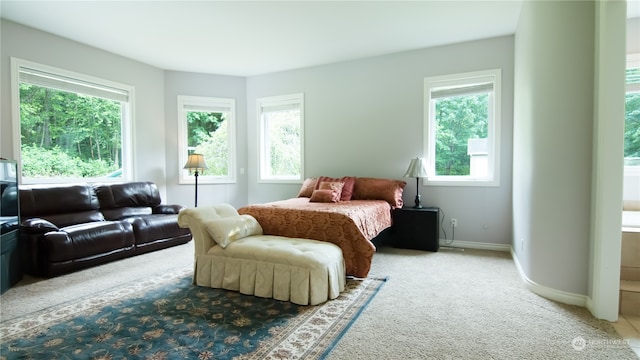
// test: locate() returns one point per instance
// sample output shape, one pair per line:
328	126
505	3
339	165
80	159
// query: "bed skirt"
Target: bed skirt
305	272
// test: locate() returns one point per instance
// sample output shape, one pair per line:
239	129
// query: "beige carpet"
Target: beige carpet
451	304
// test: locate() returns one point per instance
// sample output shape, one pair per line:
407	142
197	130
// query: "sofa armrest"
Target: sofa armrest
37	226
167	209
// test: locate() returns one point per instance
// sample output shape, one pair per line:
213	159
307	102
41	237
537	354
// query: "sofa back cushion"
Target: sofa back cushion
127	199
62	205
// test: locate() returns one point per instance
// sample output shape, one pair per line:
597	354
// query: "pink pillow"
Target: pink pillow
325	196
347	189
307	187
335	186
379	189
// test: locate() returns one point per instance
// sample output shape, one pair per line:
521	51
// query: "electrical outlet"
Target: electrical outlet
454	222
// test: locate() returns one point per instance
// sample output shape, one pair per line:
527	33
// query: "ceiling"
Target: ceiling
246	38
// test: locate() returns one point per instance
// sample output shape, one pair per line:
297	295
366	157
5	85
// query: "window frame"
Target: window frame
295	100
127	119
229	105
468	79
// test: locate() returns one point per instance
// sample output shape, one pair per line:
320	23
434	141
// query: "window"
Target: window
281	120
207	126
462	129
71	127
632	116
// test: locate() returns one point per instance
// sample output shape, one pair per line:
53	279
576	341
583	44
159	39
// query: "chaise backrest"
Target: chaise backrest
195	219
62	205
127	199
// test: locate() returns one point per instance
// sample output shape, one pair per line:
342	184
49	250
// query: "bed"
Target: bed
350	214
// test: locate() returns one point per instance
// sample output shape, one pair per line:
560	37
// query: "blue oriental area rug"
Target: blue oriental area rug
169	318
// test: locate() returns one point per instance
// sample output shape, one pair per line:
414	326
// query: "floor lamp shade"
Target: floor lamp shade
417	170
196	163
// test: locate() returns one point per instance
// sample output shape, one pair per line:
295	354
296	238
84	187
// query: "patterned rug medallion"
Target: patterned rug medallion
169	318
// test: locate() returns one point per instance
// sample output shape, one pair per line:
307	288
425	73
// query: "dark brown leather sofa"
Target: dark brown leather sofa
65	228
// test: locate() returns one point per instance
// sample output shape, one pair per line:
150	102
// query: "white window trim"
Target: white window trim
493	129
292	99
127	123
223	103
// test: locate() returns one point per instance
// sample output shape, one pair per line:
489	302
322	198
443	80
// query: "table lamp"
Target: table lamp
417	170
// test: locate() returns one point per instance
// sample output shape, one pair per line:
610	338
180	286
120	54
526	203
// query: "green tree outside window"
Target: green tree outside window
68	135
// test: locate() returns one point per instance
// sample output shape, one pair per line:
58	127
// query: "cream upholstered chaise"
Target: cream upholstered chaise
232	253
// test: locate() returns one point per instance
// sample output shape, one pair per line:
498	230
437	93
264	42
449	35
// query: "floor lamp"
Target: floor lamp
417	170
196	163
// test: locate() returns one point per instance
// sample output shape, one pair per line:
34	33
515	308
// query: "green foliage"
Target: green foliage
213	145
458	119
285	144
65	134
632	118
201	125
53	163
632	126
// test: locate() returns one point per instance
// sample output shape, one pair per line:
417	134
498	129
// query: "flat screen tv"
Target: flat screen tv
9	199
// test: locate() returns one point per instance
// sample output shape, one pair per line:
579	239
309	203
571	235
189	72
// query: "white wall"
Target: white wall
149	130
194	84
554	144
365	118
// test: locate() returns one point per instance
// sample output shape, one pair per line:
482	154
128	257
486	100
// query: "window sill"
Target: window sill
459	182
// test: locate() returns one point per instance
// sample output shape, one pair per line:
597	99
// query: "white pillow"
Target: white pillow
225	230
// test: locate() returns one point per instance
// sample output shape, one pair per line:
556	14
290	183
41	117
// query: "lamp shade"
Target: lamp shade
195	162
416	169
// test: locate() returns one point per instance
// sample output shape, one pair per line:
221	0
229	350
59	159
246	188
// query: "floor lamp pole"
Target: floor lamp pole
196	175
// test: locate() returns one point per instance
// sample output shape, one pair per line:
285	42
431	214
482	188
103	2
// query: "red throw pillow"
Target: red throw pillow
325	196
379	189
307	187
347	189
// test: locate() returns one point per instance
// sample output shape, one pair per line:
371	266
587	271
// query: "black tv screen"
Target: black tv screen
9	199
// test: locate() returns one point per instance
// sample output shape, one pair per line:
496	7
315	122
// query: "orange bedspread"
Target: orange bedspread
349	224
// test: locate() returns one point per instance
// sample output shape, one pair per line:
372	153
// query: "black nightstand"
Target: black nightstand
416	228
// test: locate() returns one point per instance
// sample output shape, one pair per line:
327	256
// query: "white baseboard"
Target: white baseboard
544	291
550	293
474	245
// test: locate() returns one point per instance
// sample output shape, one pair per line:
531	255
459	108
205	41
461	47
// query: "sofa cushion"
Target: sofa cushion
86	240
130	194
61	204
157	227
125	212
